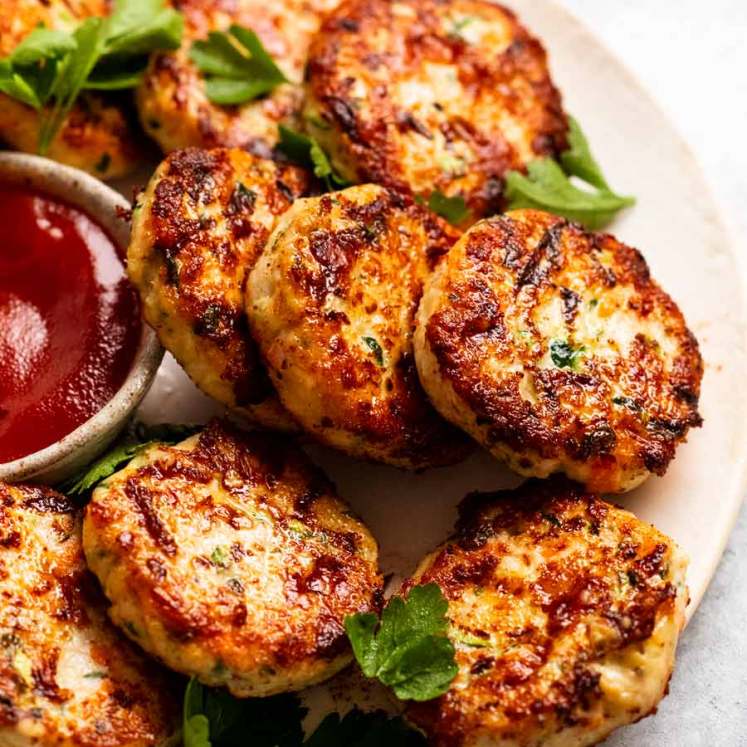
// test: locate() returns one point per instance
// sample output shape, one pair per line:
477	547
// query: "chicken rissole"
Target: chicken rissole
231	558
557	351
565	613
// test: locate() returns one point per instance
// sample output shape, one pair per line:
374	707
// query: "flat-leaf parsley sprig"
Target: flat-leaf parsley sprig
305	150
212	717
407	649
454	209
547	185
236	66
126	448
49	68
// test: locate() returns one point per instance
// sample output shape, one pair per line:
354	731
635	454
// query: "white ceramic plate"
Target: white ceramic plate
678	228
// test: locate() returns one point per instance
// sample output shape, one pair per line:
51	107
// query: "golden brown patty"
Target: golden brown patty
429	95
231	558
564	611
197	231
67	678
96	136
557	351
331	303
172	103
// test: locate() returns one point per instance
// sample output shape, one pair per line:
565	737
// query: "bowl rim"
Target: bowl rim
109	209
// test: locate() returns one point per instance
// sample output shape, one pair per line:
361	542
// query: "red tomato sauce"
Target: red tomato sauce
69	320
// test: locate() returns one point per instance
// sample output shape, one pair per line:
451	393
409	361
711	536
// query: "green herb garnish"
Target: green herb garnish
627	402
306	151
299	530
139	438
139	27
168	433
236	66
579	161
407	649
548	186
29	73
49	68
219	557
104	466
376	349
316	121
214	718
469	640
564	355
459	25
103	163
453	209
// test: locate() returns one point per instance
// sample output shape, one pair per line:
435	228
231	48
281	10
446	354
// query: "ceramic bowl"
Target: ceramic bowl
109	209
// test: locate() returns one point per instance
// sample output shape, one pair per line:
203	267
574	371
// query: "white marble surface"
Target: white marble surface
693	57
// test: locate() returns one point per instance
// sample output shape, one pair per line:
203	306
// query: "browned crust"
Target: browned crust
133	704
254	469
505	269
515	81
508	685
190	252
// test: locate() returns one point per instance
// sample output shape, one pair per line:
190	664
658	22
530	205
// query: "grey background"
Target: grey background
692	55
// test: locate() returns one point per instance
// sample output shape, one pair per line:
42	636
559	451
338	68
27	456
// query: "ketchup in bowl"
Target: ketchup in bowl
69	320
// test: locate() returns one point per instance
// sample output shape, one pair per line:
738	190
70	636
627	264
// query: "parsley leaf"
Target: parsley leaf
114	74
73	71
49	68
195	724
170	433
375	348
220	557
548	186
306	151
407	649
578	159
236	66
469	640
40	44
104	466
123	451
196	731
29	73
212	717
137	27
297	147
95	675
454	209
565	356
16	86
